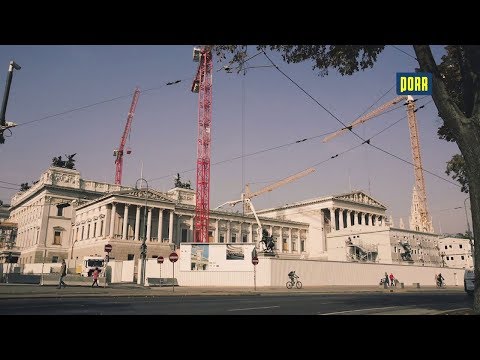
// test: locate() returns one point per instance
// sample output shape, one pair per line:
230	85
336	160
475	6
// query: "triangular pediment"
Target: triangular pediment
360	197
145	194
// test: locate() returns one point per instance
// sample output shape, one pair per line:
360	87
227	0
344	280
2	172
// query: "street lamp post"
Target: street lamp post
3	124
143	247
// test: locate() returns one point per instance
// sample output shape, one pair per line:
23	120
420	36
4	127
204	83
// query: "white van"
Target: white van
89	264
469	281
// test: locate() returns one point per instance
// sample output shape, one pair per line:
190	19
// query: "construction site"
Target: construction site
64	216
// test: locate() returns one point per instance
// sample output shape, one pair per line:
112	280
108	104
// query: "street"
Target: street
409	303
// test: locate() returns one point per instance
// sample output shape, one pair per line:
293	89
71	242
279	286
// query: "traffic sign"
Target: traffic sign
173	257
255	260
108	248
160	260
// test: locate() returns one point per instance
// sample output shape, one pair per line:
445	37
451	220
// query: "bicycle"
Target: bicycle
294	282
441	285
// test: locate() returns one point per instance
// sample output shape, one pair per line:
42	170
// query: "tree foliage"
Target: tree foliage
457	166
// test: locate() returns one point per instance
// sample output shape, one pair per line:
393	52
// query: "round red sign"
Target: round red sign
173	257
160	260
255	261
108	248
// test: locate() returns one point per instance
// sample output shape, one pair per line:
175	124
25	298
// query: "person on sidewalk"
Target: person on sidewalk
63	273
386	279
392	280
95	277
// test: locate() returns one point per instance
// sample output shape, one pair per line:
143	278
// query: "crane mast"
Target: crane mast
120	151
202	84
425	222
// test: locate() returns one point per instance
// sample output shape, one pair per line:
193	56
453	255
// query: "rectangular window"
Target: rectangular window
222	238
450	246
59	210
94	230
56	238
82	233
88	231
302	245
460	246
130	256
451	257
446	247
463	257
101	228
245	238
284	245
210	237
76	236
234	238
448	257
294	245
184	235
54	259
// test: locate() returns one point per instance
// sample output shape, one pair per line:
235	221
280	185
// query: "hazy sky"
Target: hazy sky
56	79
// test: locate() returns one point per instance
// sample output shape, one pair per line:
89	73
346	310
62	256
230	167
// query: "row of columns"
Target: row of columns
137	223
356	221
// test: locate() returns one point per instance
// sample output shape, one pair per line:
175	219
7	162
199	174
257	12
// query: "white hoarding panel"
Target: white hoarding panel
216	257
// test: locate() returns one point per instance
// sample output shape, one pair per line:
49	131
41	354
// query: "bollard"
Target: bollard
402	286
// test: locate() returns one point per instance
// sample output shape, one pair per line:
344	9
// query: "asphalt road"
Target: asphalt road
301	304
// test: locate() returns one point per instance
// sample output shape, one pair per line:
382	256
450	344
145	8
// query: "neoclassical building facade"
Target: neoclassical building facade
165	220
354	227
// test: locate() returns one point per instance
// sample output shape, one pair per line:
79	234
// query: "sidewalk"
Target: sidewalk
10	291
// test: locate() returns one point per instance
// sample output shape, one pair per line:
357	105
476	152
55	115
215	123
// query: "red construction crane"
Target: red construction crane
202	84
118	153
425	222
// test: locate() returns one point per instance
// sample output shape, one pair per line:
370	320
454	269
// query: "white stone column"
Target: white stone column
229	234
340	215
112	220
349	218
299	239
290	246
125	223
160	225
170	228
149	223
251	232
217	232
137	223
280	237
332	220
362	218
190	233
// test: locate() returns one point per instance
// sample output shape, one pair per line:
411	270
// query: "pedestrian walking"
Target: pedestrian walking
386	279
95	277
63	273
392	280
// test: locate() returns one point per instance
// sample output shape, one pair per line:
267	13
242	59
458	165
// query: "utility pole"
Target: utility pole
4	125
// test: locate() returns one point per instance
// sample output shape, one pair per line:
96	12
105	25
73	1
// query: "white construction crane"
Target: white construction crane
425	221
247	195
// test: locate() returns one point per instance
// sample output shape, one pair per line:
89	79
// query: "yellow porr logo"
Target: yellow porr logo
414	83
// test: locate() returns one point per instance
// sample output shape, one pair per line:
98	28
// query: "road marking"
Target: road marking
255	308
347	311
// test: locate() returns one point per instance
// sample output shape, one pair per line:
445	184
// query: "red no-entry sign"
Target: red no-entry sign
173	257
108	248
160	260
255	260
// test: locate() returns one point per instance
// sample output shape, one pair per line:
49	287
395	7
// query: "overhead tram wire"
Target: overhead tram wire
302	140
169	83
397	48
350	129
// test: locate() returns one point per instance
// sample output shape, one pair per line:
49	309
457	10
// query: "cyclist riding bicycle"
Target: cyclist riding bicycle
292	276
440	280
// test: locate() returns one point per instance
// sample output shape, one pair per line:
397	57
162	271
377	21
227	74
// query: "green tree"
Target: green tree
456	93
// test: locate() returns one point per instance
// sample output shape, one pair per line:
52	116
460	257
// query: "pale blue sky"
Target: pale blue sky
58	78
